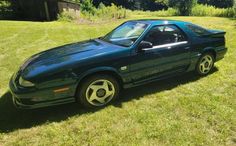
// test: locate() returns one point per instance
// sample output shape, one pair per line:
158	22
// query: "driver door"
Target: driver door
169	54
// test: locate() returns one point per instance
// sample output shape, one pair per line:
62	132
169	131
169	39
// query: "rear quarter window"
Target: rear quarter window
197	30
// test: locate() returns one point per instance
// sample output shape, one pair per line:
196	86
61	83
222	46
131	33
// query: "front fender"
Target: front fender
97	70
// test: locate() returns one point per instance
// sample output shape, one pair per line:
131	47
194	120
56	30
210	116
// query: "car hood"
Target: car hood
62	56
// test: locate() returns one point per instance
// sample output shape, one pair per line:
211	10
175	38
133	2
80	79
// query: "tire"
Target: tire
98	91
205	64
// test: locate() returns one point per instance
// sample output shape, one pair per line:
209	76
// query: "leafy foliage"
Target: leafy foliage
155	5
164	2
184	6
151	5
105	12
91	9
112	11
4	5
161	13
218	3
205	10
75	1
87	6
67	16
5	9
91	13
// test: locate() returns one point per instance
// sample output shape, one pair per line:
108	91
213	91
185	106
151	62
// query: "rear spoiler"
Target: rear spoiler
215	33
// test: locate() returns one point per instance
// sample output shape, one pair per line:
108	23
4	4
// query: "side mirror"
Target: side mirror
144	44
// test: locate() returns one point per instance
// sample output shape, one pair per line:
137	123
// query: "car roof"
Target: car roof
159	21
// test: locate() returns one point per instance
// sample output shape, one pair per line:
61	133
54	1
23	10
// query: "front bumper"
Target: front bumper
24	98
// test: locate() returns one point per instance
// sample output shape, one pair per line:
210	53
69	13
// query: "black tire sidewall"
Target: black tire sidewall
81	92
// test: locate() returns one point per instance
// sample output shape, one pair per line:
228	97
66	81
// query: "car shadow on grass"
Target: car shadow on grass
12	119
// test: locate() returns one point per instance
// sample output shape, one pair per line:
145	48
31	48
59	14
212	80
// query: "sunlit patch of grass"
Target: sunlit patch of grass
184	110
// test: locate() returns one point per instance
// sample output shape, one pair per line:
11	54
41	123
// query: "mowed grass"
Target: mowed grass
184	110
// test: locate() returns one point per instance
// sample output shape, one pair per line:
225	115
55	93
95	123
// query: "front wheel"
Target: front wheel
205	64
98	91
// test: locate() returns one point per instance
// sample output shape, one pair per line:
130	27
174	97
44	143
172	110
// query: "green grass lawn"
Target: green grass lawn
184	110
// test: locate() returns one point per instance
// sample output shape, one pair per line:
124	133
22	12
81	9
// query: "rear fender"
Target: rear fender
210	50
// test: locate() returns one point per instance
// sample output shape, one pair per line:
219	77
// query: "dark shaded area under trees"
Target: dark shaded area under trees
21	9
154	5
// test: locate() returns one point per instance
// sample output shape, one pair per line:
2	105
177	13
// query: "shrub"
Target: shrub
205	10
105	12
184	6
161	13
87	7
169	12
218	3
89	12
5	9
67	16
111	11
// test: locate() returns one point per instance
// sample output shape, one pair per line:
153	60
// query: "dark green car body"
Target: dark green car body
58	72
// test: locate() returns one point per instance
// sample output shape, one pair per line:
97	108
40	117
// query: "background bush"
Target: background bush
113	11
91	13
205	10
161	13
217	3
67	16
86	6
184	6
93	10
5	9
104	12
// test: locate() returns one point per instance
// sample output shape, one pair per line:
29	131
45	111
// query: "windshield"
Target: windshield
126	34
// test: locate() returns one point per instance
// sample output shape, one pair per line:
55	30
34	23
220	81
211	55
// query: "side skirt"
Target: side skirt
154	79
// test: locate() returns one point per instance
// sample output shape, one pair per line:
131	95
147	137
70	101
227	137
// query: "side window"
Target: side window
168	34
197	29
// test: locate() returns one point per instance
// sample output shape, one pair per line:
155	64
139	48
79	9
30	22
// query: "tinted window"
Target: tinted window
197	29
161	35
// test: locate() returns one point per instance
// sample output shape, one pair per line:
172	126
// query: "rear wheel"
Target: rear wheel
205	64
98	91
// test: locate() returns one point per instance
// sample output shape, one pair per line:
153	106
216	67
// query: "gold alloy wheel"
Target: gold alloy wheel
206	64
100	92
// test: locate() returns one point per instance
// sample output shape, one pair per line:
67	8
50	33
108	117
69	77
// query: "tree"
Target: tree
87	6
6	9
163	2
218	3
152	5
184	6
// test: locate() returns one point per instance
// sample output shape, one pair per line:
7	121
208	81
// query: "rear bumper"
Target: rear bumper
33	98
220	53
